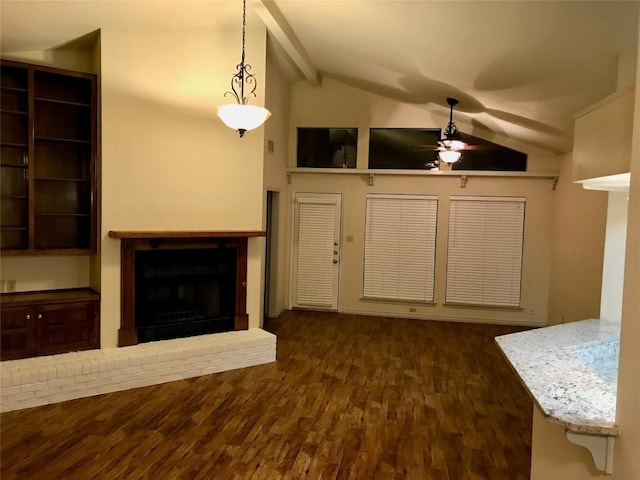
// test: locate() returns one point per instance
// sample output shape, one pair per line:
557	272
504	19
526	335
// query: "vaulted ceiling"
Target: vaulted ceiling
520	69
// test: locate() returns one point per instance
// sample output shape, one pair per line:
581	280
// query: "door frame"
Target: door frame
272	220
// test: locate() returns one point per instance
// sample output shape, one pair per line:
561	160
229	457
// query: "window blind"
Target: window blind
484	260
399	250
316	232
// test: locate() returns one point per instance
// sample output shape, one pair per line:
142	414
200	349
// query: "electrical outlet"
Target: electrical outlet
11	285
530	310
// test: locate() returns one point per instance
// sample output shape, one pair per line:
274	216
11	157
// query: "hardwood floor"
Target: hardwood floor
350	397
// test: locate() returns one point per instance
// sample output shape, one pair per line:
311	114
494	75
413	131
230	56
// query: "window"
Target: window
416	149
403	148
399	249
484	263
489	156
327	147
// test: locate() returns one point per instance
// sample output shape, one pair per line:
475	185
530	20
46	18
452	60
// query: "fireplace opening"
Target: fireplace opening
184	292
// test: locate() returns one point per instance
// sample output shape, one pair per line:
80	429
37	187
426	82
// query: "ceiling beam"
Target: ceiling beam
285	36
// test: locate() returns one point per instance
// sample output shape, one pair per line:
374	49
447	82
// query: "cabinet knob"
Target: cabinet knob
28	317
39	315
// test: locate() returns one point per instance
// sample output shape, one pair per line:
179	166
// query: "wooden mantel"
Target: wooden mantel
137	240
184	234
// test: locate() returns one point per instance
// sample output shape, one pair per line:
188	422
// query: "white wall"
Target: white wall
46	272
168	163
338	105
275	180
561	460
577	248
626	458
335	104
552	455
536	265
614	256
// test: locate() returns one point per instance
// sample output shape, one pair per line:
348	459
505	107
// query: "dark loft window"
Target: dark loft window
415	149
327	147
402	148
490	156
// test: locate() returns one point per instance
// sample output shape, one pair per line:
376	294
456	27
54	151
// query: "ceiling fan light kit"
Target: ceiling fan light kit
240	116
449	156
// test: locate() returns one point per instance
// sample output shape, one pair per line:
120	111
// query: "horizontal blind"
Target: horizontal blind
484	259
399	251
316	225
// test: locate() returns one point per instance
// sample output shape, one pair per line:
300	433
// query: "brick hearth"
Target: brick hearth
40	381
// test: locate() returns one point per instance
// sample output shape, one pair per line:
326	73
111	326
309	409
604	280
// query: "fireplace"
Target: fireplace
181	284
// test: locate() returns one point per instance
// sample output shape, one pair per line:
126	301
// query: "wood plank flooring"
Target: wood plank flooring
350	397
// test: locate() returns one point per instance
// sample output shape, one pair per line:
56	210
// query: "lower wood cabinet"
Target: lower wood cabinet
17	333
49	322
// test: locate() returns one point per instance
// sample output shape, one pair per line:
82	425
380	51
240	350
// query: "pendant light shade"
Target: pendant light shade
243	117
240	116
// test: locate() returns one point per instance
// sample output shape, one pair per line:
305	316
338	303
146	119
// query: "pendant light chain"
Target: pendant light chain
243	77
244	25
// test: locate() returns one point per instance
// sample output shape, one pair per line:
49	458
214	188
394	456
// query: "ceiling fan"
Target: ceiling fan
452	144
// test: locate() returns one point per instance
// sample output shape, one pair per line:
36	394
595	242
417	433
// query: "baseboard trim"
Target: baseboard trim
446	318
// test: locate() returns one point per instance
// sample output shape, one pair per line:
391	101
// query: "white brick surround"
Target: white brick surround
56	378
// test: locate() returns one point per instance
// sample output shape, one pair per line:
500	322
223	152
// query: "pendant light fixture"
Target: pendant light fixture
240	116
450	147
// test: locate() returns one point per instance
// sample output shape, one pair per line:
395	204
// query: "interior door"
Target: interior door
316	250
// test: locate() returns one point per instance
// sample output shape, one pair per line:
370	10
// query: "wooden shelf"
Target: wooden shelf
463	175
61	179
13	89
56	139
184	234
62	214
62	102
49	134
9	165
13	112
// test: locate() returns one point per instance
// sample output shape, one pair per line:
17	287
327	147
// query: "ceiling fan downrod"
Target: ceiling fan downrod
451	130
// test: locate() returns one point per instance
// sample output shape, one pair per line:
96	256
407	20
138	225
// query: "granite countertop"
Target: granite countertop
570	371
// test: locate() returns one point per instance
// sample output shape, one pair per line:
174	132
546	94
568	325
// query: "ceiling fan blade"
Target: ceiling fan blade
481	147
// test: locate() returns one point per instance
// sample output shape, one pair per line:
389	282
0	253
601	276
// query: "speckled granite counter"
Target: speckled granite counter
571	371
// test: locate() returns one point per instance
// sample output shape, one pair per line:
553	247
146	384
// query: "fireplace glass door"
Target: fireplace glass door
182	293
